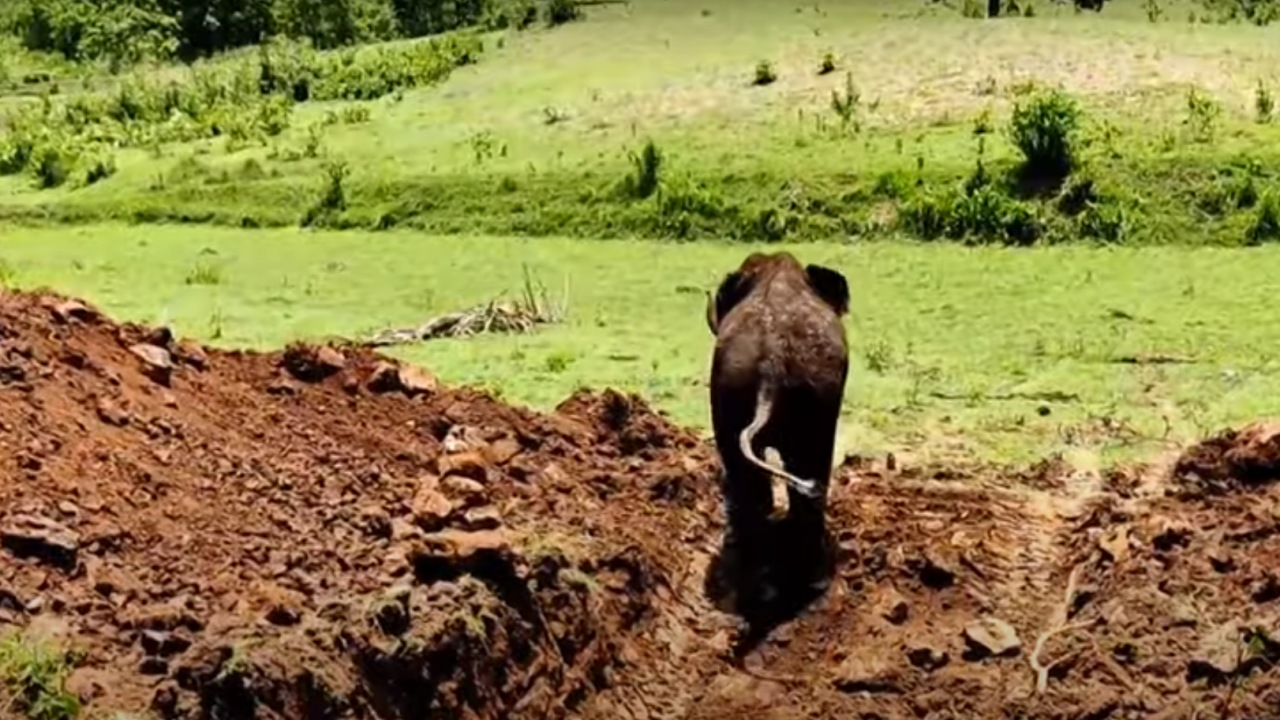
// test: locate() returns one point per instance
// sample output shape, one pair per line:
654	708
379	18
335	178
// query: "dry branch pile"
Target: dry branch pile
520	315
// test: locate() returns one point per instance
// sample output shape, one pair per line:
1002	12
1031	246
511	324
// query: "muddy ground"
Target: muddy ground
321	533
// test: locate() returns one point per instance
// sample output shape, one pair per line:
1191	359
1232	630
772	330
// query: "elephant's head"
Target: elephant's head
759	268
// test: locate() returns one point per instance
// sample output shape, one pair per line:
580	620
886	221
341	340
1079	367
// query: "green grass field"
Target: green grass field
1152	331
956	351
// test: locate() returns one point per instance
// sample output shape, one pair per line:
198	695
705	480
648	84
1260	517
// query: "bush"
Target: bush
1045	128
560	12
828	64
247	100
1203	113
1264	103
983	213
644	177
764	74
126	31
1266	222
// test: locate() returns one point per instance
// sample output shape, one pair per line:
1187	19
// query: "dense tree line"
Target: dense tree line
124	31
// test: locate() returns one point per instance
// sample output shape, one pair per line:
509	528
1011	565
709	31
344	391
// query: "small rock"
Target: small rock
482	518
330	360
893	607
281	605
189	353
469	490
73	310
284	387
163	644
934	574
991	636
154	666
866	675
501	451
927	658
1221	559
112	414
461	438
1182	614
1265	589
431	509
156	362
1116	544
465	544
1173	535
39	537
160	337
416	381
467	464
384	378
1218	654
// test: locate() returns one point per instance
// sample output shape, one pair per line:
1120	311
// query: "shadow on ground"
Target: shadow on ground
772	590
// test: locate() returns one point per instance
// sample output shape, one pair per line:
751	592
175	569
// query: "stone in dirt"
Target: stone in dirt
157	364
989	636
416	381
502	450
36	536
482	518
469	464
388	377
311	364
111	413
927	658
470	491
893	607
431	509
189	353
73	310
867	675
1218	654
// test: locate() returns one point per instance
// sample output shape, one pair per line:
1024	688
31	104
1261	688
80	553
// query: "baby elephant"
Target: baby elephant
777	380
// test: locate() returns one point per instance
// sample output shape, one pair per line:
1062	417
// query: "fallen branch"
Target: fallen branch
1044	396
1156	359
521	315
1059	626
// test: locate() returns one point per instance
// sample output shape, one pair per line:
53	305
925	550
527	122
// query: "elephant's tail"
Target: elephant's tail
764	406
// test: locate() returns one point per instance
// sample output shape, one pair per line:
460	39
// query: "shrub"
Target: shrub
828	64
560	12
247	99
1266	221
1154	10
1203	113
332	199
1264	103
764	73
845	105
1045	128
644	177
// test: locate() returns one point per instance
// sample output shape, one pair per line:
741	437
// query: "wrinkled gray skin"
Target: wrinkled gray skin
777	380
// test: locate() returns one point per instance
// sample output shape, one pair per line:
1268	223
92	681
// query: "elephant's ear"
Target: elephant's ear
830	286
732	289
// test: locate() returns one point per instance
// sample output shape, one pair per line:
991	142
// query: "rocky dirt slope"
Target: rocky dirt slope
321	533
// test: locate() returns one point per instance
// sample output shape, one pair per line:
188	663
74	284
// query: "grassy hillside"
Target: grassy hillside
546	132
459	157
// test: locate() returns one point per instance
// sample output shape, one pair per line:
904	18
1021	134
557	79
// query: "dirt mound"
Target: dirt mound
319	532
324	533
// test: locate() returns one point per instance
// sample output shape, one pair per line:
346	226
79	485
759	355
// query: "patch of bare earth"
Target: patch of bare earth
323	533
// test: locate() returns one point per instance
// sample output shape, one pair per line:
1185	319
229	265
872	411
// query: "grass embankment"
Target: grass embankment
911	132
990	352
